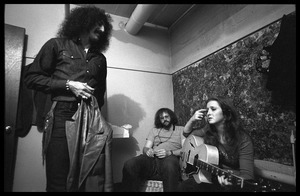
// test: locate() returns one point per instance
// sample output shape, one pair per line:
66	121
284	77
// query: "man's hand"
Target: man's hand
150	152
162	153
81	90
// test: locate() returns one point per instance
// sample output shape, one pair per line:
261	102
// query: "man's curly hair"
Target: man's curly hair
158	123
82	20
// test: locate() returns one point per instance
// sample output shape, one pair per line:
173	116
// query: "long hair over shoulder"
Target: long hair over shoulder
157	121
232	124
83	19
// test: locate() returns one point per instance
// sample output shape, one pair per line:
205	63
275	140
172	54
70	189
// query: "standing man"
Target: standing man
70	67
160	155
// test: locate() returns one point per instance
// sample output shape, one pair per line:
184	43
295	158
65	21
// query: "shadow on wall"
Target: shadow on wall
124	111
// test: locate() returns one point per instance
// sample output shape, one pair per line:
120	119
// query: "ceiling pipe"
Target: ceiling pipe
138	17
67	10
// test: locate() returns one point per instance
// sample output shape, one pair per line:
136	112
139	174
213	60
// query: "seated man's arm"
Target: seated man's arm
148	150
177	152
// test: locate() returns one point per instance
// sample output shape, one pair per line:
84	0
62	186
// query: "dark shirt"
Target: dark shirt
242	162
62	59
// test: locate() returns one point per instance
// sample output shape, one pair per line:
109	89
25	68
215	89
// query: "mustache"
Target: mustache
101	44
99	31
100	41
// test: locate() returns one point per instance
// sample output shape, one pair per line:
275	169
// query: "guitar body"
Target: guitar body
194	147
200	161
190	144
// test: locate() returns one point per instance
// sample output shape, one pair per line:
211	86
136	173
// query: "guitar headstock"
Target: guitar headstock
261	185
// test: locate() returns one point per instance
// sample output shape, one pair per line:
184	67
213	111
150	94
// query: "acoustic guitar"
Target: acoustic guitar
200	161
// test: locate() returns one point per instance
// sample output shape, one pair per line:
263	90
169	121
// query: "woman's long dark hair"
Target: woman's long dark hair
232	124
83	19
157	121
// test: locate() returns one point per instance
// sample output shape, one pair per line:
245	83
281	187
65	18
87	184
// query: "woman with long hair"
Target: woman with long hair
235	147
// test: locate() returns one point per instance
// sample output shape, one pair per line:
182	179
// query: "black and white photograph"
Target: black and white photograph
150	97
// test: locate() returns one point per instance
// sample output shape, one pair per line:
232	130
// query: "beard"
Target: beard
166	125
101	42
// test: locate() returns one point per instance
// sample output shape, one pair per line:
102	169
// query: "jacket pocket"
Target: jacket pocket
68	56
69	61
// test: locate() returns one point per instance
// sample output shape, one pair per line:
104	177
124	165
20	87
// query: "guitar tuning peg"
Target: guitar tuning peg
273	190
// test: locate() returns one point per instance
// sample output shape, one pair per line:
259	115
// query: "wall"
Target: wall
132	83
208	28
39	29
146	51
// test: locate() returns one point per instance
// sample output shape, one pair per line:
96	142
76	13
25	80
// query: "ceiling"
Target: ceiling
164	15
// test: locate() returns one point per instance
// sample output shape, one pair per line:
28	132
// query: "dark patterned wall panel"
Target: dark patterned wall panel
239	72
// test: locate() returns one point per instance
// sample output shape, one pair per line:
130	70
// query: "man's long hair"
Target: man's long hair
82	20
157	121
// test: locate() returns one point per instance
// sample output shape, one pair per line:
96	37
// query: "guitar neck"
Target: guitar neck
218	172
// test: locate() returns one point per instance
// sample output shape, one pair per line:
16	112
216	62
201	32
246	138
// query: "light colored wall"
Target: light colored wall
208	28
146	51
137	75
40	21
